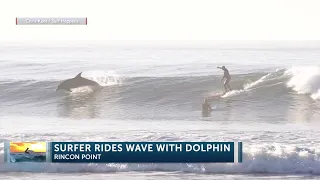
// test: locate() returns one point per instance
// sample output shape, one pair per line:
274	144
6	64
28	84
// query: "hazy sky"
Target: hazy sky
172	20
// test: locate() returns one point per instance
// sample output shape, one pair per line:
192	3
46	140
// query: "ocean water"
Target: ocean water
155	94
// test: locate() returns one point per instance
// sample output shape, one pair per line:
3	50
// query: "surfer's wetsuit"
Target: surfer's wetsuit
226	76
206	108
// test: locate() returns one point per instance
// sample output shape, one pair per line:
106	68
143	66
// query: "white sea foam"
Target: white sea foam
255	84
108	78
233	93
269	76
104	78
305	80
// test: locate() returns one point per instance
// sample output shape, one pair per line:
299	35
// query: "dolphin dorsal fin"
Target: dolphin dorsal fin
79	75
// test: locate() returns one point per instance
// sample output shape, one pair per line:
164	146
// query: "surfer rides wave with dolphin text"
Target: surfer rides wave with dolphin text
206	108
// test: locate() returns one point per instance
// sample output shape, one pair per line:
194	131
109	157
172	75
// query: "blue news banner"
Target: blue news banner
145	152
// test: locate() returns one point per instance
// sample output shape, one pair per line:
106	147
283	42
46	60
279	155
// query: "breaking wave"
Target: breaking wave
305	80
302	80
108	78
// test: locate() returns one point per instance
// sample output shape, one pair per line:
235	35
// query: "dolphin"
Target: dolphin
76	82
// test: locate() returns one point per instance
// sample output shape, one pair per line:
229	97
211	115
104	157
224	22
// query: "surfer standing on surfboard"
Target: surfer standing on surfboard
226	76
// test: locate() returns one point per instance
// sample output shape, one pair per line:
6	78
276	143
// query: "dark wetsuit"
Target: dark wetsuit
226	75
206	109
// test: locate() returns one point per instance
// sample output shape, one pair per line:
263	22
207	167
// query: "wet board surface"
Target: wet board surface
215	96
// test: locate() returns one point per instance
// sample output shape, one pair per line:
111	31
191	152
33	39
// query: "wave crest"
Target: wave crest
108	78
305	80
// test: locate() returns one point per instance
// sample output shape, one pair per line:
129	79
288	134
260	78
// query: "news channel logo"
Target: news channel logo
27	152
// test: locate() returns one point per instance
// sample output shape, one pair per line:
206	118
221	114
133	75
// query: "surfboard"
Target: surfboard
215	96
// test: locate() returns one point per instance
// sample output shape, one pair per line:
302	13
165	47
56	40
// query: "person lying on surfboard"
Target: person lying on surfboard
206	108
226	76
